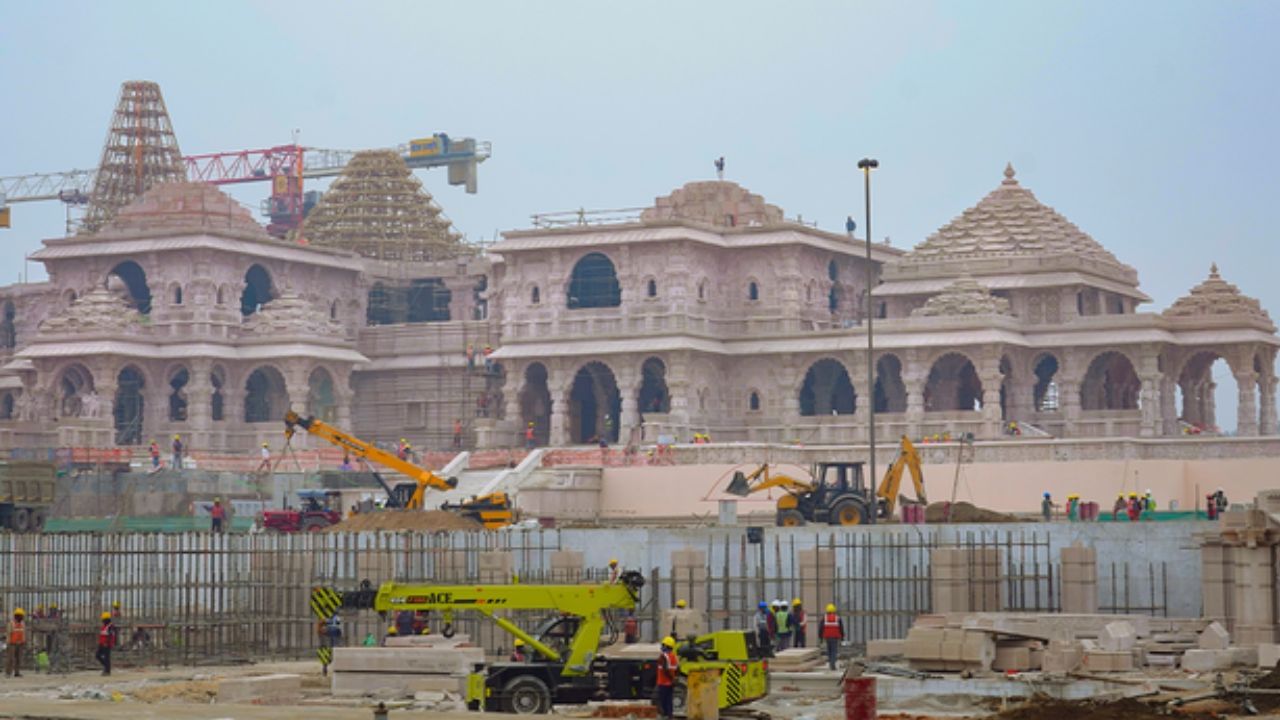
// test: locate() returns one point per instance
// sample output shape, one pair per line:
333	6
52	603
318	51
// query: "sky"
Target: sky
1151	125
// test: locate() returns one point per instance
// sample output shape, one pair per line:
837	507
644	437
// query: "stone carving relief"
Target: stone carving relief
95	311
963	297
292	315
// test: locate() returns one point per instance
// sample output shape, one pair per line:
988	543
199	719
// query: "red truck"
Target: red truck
317	511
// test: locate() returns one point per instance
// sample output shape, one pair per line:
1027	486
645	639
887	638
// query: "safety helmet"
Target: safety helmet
831	607
105	616
1148	491
681	603
53	606
177	437
115	604
1133	494
19	612
264	445
403	440
530	424
613	561
519	642
668	642
391	630
1046	494
796	601
763	605
426	631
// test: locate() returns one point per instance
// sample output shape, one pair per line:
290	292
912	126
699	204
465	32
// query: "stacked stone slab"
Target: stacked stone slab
689	576
396	671
817	587
1239	572
949	649
1079	579
566	566
966	579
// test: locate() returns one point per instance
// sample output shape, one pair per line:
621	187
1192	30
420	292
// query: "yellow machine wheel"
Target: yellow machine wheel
847	513
790	518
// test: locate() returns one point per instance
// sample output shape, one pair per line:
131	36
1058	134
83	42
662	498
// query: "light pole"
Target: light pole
866	165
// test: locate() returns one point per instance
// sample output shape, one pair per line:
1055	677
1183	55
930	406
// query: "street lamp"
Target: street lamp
866	165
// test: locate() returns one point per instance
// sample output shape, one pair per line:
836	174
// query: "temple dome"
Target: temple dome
175	208
714	202
1217	297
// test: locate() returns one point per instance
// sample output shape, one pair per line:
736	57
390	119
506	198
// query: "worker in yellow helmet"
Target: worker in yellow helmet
668	670
177	452
106	641
16	633
800	621
518	653
832	632
681	604
615	571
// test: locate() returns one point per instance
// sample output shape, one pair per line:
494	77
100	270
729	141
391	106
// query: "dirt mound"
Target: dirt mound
195	691
963	512
419	520
1043	708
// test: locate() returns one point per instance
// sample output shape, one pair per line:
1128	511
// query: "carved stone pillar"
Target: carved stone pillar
1267	413
199	392
297	387
559	418
914	383
1247	409
1069	401
991	418
1151	408
1168	406
628	387
462	298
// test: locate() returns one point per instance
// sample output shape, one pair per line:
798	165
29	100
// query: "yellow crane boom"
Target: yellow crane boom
908	459
367	451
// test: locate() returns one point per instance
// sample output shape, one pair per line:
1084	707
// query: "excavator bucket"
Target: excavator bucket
739	485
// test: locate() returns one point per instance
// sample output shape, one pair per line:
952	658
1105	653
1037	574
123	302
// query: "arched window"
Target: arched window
535	295
220	297
753	291
257	290
702	290
130	280
652	290
333	310
833	271
9	326
594	283
177	294
753	402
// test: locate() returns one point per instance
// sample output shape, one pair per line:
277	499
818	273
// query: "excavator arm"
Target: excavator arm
586	602
909	460
760	480
367	451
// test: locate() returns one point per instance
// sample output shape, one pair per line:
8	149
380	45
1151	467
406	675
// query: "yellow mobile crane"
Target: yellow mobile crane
837	494
493	510
566	665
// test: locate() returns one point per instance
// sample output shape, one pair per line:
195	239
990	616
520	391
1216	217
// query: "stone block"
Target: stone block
428	660
1206	660
1214	637
1244	656
1107	661
1117	636
393	685
268	689
1062	658
1012	658
440	641
1268	655
884	649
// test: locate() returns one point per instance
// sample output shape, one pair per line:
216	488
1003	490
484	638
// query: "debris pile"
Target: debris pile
963	512
1047	708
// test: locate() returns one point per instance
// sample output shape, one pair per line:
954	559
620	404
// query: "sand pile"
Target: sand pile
196	691
416	520
1044	708
963	512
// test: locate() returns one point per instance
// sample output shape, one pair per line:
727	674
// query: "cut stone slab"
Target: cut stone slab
429	660
394	685
1214	637
1244	655
263	688
882	649
1117	637
459	640
1268	655
1108	661
1062	657
1206	660
1012	658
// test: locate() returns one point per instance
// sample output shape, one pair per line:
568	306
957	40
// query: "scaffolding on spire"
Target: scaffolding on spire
379	210
141	151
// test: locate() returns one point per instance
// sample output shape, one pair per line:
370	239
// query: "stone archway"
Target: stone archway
258	290
74	383
1110	383
129	408
594	283
891	391
1197	387
654	396
1044	396
953	385
178	380
129	280
320	396
827	390
535	403
265	395
594	404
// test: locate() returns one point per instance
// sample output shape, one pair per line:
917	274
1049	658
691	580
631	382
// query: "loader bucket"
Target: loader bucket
738	485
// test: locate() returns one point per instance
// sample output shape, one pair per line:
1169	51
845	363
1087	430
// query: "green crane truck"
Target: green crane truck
26	494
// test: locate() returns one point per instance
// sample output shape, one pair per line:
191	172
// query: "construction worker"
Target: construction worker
154	450
16	632
800	623
518	654
631	629
471	356
404	622
782	620
1135	507
1148	504
457	434
1211	506
1073	507
832	632
615	572
1220	498
764	628
676	618
177	452
1046	508
528	436
668	667
106	641
264	465
402	449
219	515
1119	507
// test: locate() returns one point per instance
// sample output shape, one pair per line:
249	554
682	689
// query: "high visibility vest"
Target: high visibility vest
106	636
667	667
17	633
784	622
831	627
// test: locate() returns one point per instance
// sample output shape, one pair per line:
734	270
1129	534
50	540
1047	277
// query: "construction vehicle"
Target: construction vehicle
887	493
837	494
493	511
318	509
566	665
26	494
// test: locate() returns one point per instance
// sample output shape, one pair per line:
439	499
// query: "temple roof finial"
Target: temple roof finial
1008	174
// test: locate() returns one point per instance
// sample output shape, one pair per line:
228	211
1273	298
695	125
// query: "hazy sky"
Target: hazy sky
1151	125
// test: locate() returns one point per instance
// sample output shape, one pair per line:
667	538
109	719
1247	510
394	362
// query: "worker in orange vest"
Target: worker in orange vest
668	666
528	436
832	632
106	641
17	635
